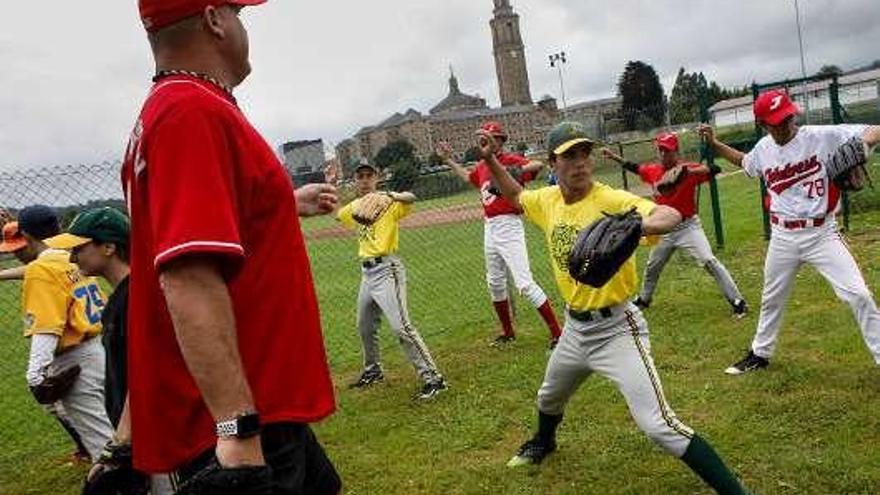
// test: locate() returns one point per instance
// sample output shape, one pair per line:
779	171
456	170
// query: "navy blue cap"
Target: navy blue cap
39	222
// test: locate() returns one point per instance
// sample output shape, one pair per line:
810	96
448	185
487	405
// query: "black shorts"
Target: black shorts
298	462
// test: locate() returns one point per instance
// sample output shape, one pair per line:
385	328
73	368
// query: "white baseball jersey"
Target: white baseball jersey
795	174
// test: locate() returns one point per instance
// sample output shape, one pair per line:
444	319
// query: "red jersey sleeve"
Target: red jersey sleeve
648	174
474	176
191	186
698	177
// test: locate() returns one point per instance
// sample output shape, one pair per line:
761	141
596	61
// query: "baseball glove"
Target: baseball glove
671	179
603	247
56	385
217	480
846	166
113	474
371	207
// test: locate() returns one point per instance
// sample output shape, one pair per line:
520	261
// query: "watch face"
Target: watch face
248	425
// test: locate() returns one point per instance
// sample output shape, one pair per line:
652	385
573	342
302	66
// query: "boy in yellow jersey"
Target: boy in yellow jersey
604	332
62	315
383	288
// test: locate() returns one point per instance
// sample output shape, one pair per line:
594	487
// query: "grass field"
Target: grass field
807	425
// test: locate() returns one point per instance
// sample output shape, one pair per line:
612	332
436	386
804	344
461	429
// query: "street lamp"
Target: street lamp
557	60
797	16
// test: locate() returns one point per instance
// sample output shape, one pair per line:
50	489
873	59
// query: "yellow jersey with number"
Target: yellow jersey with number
561	224
57	299
381	238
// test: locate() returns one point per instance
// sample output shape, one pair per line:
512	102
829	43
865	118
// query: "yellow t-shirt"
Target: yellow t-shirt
561	224
57	299
382	237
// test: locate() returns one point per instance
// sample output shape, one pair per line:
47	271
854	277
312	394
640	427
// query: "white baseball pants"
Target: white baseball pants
823	248
504	246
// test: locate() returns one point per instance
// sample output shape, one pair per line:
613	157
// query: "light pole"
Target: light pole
557	60
797	16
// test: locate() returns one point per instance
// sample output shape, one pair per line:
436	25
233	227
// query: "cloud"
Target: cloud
76	73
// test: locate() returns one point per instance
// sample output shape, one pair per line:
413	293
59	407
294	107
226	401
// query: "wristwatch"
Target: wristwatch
245	425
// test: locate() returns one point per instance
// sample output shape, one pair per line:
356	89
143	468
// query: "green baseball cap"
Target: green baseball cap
565	135
100	224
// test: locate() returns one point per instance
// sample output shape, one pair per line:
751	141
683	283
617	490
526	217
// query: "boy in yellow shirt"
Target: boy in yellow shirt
383	287
604	332
62	315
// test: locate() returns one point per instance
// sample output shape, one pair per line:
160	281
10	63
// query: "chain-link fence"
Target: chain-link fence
441	245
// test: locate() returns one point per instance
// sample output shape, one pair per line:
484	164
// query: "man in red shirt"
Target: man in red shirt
230	366
504	242
689	234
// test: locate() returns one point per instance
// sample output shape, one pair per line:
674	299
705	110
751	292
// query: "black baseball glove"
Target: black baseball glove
603	247
113	474
846	166
217	480
56	385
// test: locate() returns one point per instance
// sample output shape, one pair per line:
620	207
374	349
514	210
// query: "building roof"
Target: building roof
614	100
847	79
456	100
293	145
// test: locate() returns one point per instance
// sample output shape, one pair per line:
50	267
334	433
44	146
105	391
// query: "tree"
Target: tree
396	151
830	70
403	175
684	103
644	102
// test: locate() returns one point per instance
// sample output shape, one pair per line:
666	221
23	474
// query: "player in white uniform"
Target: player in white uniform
504	239
803	203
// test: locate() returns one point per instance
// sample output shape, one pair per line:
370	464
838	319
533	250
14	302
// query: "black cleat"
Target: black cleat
740	309
749	363
532	452
367	378
431	389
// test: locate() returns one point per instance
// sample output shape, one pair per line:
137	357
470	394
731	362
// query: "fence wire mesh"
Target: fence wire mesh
441	245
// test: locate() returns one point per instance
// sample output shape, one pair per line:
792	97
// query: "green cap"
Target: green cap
100	224
565	135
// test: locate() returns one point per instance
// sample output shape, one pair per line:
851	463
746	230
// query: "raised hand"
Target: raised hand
488	144
316	199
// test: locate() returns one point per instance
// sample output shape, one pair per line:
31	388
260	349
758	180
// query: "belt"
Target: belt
590	315
373	262
797	224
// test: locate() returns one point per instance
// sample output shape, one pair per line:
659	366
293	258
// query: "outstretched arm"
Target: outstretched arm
730	154
871	137
16	273
629	166
406	198
444	151
661	220
507	185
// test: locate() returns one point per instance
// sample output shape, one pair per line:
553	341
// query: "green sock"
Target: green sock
703	460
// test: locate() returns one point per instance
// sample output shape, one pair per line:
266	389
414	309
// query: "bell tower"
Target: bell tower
510	56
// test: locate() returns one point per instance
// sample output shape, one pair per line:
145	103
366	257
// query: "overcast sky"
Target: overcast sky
74	74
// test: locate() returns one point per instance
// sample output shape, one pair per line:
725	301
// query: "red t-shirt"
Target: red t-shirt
683	198
198	178
494	203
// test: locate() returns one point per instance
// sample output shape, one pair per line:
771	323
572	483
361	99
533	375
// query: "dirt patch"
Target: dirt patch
419	219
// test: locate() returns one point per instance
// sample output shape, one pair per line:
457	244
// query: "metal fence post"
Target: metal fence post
709	156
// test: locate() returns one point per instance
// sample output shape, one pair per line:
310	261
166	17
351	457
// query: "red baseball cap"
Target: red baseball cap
774	106
156	14
667	141
494	129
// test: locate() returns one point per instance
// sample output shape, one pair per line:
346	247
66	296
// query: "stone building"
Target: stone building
456	117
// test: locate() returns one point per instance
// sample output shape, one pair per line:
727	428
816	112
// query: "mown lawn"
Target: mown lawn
808	424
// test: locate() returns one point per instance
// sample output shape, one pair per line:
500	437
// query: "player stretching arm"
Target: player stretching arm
661	220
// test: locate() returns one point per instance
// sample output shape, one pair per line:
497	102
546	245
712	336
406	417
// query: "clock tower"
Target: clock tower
510	56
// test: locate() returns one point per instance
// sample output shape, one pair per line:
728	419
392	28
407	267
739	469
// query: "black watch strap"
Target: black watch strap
242	426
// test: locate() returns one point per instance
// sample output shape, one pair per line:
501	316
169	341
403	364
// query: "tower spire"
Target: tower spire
510	56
